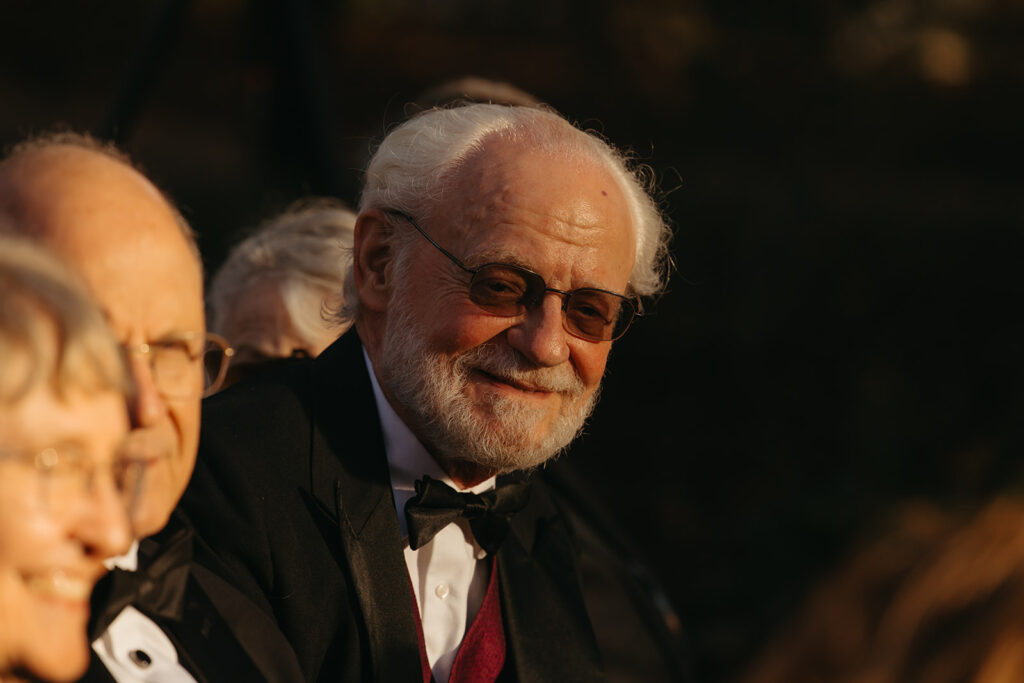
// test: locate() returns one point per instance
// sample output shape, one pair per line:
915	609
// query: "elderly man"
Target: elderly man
139	260
376	498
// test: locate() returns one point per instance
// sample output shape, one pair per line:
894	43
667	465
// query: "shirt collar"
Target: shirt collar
408	459
129	562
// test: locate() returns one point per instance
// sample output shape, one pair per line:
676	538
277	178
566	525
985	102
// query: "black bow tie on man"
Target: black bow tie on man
157	587
436	505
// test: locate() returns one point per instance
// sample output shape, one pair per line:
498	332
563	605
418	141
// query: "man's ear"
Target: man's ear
371	258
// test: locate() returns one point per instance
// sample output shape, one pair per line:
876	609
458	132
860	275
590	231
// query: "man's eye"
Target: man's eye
174	347
585	311
173	356
593	308
492	288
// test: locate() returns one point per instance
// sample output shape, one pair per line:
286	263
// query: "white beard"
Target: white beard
500	433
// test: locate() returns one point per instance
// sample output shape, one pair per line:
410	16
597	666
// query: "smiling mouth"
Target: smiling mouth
515	384
61	585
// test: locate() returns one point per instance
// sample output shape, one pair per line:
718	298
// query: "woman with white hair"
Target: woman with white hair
270	296
64	488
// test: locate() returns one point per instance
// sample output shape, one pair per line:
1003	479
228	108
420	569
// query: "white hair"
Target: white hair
306	249
416	162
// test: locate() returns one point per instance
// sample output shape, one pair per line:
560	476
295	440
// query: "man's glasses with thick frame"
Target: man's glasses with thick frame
173	363
509	290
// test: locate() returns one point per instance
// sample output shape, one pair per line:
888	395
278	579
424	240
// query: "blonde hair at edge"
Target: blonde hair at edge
52	340
306	248
46	319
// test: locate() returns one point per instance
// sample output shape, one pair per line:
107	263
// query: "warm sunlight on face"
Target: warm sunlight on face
61	514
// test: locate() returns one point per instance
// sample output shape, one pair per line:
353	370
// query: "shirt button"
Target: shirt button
441	590
140	658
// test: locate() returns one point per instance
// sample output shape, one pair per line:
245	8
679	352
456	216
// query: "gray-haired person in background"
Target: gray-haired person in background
270	295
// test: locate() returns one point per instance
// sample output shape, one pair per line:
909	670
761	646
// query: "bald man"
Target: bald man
88	204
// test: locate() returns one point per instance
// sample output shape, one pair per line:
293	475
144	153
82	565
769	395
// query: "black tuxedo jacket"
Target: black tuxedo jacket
292	499
220	635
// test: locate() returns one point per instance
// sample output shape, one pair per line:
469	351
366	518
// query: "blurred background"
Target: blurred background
843	332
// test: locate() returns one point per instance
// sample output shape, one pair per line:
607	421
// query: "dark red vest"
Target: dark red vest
482	653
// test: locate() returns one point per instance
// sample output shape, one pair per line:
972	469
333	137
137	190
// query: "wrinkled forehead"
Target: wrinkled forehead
148	284
561	195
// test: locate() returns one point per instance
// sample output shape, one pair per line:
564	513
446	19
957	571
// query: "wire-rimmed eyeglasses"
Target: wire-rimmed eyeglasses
173	362
509	290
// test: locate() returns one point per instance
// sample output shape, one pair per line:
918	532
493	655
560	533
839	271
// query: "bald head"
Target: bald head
45	180
111	224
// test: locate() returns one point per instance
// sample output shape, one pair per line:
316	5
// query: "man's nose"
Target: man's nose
103	526
147	406
541	335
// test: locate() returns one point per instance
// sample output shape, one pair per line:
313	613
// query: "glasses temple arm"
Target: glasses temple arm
437	246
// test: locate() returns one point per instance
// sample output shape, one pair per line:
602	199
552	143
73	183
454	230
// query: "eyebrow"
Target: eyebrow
505	257
497	255
177	336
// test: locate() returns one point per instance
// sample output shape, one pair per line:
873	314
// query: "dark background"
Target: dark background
843	178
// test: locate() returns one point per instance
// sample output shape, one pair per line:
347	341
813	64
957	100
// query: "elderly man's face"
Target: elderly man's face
112	226
505	393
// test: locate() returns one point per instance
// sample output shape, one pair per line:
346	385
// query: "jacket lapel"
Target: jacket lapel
350	482
547	628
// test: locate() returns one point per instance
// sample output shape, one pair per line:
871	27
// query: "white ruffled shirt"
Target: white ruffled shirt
448	575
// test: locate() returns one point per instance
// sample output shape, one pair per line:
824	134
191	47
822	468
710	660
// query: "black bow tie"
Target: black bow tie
157	587
436	505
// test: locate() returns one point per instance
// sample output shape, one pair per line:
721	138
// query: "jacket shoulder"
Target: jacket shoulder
637	629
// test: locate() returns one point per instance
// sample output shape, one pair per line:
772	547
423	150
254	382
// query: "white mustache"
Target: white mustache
508	364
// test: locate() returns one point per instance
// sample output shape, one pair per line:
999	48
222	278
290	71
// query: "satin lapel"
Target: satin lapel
257	635
351	483
547	628
207	645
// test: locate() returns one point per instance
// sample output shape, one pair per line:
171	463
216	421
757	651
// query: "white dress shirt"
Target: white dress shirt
448	575
133	648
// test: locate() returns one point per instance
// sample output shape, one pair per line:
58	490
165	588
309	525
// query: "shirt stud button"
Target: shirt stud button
140	658
441	590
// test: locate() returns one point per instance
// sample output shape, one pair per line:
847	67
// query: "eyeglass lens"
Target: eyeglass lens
174	366
216	358
592	314
68	476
